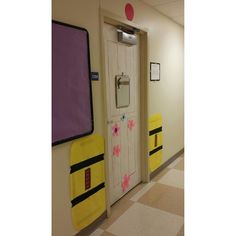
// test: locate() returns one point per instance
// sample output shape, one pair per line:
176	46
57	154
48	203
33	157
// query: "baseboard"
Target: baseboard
93	226
164	165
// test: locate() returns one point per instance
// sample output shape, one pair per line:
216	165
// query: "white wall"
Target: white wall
166	44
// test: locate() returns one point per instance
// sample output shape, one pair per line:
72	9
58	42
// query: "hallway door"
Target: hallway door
123	106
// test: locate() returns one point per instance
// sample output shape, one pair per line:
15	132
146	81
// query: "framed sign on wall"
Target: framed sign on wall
154	71
72	109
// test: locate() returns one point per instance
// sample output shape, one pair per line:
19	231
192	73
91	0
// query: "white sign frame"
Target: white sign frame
155	71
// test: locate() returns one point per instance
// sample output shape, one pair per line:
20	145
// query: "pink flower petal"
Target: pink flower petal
115	130
125	182
116	150
131	124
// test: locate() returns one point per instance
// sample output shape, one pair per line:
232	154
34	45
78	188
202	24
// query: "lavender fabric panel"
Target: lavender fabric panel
71	105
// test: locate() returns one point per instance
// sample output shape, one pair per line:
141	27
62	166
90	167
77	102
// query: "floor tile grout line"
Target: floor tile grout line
143	192
161	210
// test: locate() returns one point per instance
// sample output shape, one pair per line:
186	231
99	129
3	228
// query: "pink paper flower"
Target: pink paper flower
115	130
116	150
125	182
131	124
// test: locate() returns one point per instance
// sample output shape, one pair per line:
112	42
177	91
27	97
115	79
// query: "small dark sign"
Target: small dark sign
94	76
87	178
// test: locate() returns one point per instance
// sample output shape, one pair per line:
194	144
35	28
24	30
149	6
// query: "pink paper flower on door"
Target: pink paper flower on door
115	130
125	182
131	124
116	150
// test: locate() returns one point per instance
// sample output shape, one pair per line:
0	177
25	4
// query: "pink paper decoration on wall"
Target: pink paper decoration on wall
115	130
125	182
129	11
131	124
116	150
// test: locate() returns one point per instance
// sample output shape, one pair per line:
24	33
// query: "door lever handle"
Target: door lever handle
122	80
110	122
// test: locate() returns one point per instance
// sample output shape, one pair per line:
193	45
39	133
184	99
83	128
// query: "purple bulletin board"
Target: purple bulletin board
72	110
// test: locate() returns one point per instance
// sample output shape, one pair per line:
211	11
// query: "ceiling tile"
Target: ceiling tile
161	2
152	2
172	9
179	19
157	2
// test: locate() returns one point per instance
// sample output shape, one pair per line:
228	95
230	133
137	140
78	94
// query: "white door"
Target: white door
122	62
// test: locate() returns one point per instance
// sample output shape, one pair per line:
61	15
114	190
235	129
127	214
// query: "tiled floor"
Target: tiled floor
153	209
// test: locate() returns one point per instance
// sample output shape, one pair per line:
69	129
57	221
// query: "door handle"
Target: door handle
125	80
110	122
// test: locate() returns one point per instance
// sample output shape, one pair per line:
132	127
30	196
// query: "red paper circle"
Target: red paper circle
129	11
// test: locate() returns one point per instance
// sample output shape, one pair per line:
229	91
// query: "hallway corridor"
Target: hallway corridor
153	209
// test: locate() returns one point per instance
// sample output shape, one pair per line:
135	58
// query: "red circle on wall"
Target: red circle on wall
129	11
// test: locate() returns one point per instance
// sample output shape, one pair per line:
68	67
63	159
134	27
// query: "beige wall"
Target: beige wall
166	42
